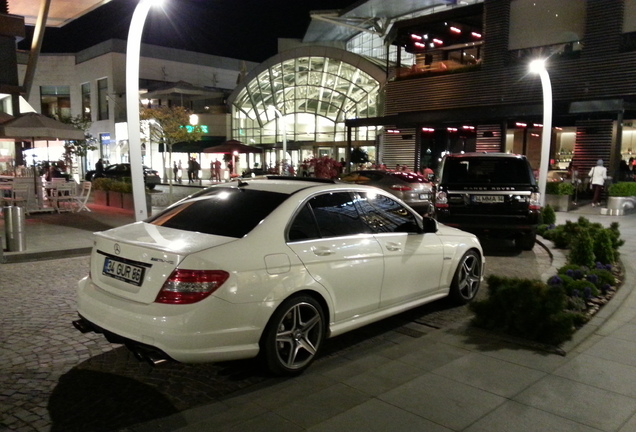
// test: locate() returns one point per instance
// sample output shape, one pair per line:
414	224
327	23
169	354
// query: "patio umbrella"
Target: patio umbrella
4	117
37	126
232	146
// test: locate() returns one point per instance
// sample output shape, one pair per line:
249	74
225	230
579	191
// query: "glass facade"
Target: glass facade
314	95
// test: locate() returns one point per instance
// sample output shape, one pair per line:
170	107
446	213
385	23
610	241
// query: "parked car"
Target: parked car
122	170
489	194
412	188
269	268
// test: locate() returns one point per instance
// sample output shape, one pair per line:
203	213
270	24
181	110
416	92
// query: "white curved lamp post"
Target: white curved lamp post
133	52
538	66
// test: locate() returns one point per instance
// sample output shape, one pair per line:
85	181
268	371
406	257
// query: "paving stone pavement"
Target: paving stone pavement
54	378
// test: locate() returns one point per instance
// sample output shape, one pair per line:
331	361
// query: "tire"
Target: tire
526	241
293	336
467	278
151	186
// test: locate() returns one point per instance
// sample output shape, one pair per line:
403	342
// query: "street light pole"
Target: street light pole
284	128
538	66
133	52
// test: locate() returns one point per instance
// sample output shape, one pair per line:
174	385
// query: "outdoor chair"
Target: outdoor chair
62	196
18	195
81	198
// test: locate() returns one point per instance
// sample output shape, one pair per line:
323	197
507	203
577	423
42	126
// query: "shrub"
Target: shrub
622	189
526	308
102	183
582	249
603	249
559	188
548	216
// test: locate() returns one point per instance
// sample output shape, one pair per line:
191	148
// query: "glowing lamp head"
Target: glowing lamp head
537	66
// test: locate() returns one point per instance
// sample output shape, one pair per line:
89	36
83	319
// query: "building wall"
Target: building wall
601	72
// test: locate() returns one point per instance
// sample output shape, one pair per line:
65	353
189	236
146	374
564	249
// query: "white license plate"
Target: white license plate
122	271
488	198
424	196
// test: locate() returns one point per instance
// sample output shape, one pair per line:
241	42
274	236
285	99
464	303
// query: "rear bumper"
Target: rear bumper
219	331
493	224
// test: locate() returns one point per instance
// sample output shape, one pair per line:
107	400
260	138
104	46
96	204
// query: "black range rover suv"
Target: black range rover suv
489	194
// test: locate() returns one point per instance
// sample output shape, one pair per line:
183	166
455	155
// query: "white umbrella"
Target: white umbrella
37	126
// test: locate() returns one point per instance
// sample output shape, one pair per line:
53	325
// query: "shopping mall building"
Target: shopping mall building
403	84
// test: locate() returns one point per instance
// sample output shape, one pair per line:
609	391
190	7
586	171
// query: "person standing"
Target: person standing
175	171
99	168
597	175
217	170
190	169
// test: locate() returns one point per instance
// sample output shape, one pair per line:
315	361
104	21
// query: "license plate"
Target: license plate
424	196
488	199
122	271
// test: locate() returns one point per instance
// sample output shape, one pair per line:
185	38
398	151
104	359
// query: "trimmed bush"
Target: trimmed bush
548	216
559	188
582	249
526	308
622	189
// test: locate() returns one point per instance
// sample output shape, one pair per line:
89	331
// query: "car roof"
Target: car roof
289	185
484	154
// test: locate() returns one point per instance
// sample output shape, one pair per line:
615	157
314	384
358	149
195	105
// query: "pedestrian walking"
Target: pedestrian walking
597	175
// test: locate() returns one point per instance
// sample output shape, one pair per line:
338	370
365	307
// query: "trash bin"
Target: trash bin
14	228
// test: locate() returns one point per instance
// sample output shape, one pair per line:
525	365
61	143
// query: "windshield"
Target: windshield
229	212
509	170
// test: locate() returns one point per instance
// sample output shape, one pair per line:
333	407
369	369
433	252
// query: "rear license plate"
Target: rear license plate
488	199
424	196
122	271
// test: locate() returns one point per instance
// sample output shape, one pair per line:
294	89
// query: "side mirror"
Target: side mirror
429	225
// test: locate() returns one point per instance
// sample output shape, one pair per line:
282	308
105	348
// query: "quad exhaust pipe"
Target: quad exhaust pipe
141	352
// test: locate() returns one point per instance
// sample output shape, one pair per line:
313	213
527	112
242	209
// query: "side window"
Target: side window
304	226
382	214
337	215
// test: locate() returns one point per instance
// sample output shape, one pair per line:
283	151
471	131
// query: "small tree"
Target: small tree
174	126
79	148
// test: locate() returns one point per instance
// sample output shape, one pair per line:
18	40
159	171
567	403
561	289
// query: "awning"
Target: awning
195	146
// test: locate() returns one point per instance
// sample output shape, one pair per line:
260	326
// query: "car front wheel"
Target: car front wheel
293	336
467	278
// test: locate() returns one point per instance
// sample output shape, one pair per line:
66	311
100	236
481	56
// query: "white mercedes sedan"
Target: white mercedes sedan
269	268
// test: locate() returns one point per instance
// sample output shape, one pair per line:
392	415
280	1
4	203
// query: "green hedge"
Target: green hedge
622	189
559	188
107	184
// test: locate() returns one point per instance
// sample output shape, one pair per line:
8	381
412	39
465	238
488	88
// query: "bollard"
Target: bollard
14	228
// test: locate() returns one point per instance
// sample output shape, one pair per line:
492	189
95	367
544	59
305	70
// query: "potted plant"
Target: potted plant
621	198
559	195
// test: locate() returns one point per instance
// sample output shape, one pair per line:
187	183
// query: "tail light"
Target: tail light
401	188
190	286
535	201
441	200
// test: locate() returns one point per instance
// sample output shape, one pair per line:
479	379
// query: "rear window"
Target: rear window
228	212
486	170
409	177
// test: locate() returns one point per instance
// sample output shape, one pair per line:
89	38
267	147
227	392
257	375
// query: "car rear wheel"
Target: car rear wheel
293	336
151	186
467	278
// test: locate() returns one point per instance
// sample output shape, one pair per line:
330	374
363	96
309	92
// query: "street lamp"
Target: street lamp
133	52
284	127
538	66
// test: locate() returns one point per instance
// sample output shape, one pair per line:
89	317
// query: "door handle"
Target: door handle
393	247
322	251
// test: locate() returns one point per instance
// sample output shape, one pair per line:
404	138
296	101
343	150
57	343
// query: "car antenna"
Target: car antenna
242	183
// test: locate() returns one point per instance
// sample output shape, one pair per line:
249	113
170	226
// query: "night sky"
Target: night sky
242	29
